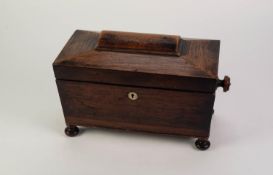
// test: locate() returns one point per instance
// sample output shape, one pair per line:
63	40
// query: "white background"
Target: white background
32	141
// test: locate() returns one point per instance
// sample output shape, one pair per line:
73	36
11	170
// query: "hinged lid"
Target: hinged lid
143	60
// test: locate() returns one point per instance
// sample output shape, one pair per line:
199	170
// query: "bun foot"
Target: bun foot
202	144
71	131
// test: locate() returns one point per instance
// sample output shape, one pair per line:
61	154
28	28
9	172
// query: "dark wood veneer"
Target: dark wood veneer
173	81
140	43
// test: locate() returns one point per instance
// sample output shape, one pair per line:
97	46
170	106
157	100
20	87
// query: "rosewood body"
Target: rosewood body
155	110
145	82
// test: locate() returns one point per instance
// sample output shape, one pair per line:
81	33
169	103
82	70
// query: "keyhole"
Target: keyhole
132	95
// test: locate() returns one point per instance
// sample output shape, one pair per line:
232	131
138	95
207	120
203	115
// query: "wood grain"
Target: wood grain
140	43
174	78
195	70
109	105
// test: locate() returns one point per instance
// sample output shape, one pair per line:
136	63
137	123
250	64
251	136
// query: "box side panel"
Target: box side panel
161	111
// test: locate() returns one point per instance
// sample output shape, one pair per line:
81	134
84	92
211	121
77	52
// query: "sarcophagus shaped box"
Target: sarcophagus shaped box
145	82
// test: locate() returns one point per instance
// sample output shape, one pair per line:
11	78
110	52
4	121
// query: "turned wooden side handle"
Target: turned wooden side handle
225	83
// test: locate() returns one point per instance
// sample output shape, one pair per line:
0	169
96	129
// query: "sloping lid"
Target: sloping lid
144	60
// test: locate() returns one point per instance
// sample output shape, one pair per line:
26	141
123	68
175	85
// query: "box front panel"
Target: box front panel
145	109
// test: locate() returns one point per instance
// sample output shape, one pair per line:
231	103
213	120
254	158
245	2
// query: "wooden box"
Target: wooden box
144	82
